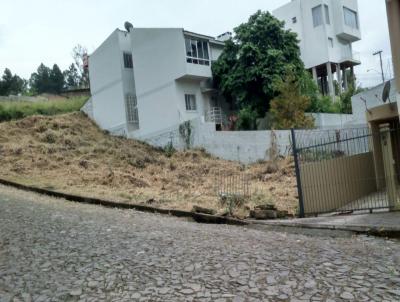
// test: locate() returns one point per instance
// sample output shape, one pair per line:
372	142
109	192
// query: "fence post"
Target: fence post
297	169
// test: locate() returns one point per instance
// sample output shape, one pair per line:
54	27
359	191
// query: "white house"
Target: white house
144	80
326	30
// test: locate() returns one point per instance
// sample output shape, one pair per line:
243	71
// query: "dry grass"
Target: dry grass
70	154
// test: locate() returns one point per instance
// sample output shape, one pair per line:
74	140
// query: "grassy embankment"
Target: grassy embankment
13	110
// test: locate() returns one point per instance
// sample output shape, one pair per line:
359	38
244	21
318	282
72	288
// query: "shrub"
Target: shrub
246	119
169	149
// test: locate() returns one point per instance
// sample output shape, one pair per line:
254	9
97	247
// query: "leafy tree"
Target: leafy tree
71	77
246	119
345	97
252	62
12	84
288	108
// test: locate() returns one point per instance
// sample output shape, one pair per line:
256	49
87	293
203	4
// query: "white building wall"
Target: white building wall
106	85
159	59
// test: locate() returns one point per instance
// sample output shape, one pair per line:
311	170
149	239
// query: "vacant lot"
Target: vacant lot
70	154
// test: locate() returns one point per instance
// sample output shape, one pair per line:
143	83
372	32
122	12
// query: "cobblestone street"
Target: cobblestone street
52	250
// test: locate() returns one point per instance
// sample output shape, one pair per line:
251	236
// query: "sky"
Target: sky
45	31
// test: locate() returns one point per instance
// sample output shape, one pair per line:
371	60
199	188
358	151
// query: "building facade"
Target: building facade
326	30
144	80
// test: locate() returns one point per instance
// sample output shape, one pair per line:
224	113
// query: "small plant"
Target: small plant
185	131
49	137
232	202
169	149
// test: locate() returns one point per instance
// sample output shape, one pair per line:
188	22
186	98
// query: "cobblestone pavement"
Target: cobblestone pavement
52	250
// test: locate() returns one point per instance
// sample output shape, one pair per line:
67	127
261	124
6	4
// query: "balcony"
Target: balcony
350	59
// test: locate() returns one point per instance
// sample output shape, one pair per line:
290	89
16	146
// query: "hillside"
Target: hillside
70	153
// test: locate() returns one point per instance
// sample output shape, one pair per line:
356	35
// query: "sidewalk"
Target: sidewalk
380	223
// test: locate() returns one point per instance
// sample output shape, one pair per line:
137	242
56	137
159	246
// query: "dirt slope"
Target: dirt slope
69	153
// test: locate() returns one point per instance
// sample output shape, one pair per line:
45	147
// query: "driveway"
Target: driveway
52	250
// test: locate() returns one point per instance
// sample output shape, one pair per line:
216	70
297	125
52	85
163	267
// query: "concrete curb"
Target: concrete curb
361	229
198	217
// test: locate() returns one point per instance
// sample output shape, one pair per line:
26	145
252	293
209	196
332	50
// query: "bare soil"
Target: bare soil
69	153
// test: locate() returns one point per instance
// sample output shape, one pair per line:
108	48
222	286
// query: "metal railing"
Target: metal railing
216	115
339	171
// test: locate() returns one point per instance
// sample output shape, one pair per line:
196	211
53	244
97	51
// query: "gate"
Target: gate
347	170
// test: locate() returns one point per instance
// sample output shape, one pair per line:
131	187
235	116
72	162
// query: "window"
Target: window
132	114
330	42
128	63
294	20
197	51
317	15
327	17
190	101
350	18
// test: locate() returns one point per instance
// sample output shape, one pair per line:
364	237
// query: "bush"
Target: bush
13	110
169	149
246	119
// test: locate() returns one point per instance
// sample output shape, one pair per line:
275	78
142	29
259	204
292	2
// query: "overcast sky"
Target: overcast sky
45	31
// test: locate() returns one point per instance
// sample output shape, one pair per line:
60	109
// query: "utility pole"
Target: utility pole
380	57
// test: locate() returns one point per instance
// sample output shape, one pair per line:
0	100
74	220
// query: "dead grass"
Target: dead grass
70	154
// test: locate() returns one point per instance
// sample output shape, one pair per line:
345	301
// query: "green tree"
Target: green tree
40	80
254	60
11	84
289	107
47	80
56	79
71	77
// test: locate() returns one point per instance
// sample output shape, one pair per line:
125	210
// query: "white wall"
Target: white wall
159	58
105	72
243	146
373	96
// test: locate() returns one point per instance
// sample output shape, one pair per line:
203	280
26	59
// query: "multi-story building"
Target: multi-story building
326	30
144	80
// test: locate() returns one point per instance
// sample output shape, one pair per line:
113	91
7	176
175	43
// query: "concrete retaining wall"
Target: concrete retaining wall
243	146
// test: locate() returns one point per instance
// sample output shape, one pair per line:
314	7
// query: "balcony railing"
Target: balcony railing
351	56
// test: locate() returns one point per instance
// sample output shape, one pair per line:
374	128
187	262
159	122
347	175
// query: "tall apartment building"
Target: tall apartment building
326	30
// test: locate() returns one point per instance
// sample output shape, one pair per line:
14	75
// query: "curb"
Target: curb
198	217
360	229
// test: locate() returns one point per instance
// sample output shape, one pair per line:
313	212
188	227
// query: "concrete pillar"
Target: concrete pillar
345	80
393	13
314	75
330	80
339	77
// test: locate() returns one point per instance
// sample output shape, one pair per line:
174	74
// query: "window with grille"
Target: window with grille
132	115
190	100
197	51
128	62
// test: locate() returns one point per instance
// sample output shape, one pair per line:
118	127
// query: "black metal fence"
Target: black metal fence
340	171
